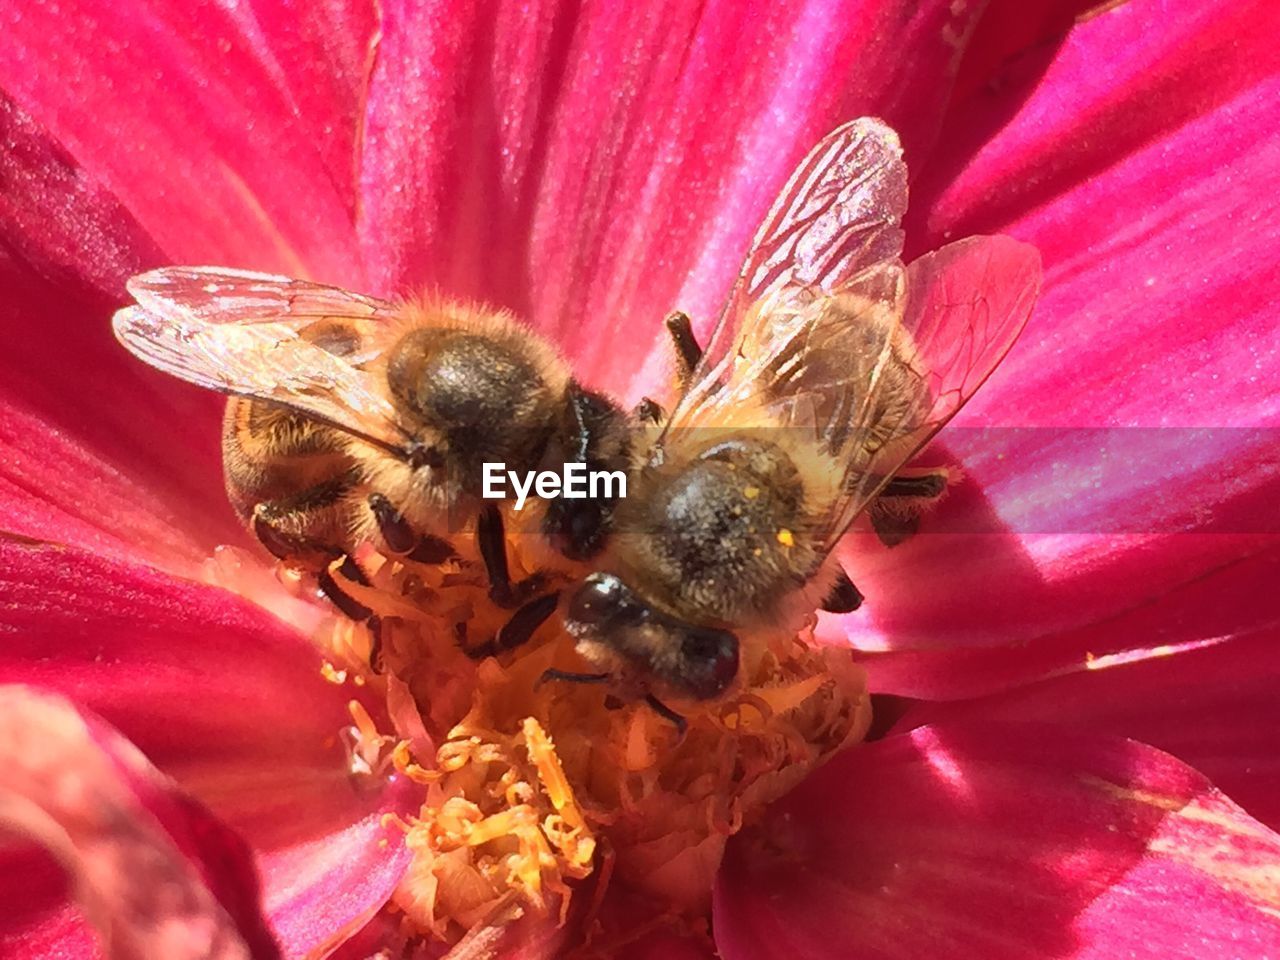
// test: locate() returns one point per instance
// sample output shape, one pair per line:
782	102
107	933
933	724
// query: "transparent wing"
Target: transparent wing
837	217
965	306
288	341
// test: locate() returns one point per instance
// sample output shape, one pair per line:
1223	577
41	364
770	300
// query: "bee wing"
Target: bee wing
836	217
915	361
262	336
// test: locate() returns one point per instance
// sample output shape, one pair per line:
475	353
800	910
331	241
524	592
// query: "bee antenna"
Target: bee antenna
662	710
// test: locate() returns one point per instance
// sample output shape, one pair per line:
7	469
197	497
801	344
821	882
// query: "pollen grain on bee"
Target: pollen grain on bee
572	482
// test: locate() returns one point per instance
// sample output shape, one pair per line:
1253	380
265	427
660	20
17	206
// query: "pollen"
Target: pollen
751	492
786	538
550	800
333	674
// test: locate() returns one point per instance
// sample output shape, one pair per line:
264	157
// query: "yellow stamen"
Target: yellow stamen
332	673
528	788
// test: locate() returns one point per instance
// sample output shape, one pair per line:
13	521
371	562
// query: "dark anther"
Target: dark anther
844	596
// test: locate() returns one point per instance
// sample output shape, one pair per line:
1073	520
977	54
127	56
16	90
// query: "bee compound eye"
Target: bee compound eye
712	659
596	600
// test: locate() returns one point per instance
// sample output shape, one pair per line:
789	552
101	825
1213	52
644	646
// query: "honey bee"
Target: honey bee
831	365
353	419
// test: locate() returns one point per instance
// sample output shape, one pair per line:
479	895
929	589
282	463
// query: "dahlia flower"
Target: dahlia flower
1052	729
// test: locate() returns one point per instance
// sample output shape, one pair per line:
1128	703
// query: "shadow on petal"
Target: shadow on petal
1000	841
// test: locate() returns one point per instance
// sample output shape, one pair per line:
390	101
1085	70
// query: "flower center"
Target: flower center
548	794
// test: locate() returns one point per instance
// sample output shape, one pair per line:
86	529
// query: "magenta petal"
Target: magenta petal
264	750
41	918
1211	703
1232	600
85	487
1145	165
57	222
992	842
79	418
666	946
184	114
319	890
566	162
154	872
1134	165
1011	27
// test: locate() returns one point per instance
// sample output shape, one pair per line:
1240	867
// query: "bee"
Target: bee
831	365
355	420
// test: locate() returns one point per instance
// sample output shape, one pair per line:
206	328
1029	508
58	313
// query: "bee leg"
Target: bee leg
662	710
895	514
844	596
493	549
352	607
928	486
688	353
519	629
401	538
525	621
279	526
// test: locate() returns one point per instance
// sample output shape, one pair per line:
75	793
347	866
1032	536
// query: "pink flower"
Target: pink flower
1077	727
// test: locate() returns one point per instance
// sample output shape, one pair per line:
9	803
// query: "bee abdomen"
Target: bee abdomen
270	454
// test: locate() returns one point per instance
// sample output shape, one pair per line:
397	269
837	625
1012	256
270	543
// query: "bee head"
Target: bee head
690	660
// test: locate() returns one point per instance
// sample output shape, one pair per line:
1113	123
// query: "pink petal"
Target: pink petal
184	113
1145	165
991	842
79	418
41	917
567	164
59	223
262	748
160	506
1012	27
1232	600
155	873
1211	703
